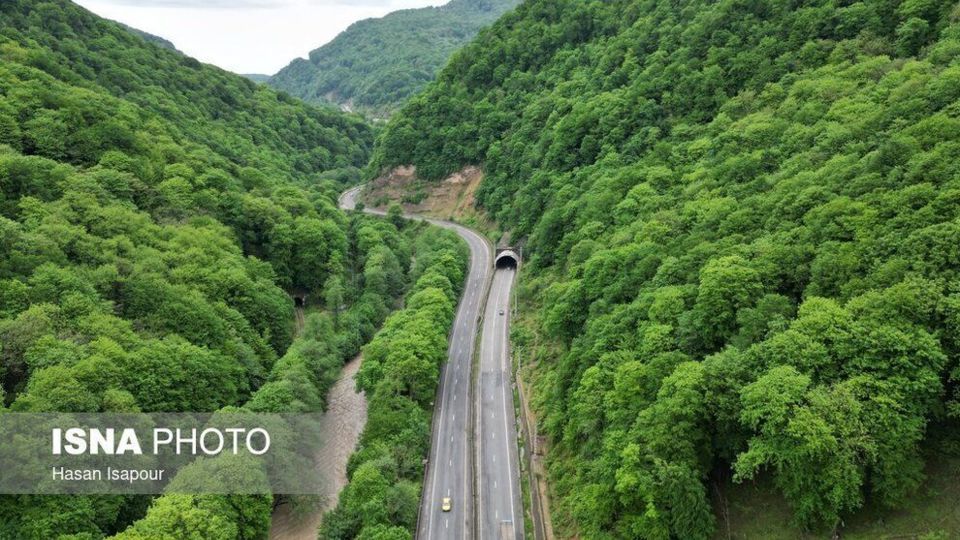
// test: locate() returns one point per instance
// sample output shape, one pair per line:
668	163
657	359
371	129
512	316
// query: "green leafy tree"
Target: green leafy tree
771	195
813	437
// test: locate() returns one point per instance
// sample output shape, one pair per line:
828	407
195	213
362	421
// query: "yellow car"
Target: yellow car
446	504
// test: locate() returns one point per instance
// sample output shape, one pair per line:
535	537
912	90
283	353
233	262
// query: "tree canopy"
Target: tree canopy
155	214
375	65
400	373
742	226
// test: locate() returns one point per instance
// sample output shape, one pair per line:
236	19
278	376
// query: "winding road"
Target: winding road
473	432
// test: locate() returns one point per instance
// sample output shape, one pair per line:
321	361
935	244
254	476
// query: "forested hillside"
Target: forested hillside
154	214
376	64
397	433
400	372
742	222
156	40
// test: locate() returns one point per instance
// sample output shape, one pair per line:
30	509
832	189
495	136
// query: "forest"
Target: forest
156	214
400	372
375	65
742	224
401	366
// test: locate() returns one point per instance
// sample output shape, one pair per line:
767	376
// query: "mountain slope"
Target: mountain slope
156	40
154	212
742	221
375	64
247	124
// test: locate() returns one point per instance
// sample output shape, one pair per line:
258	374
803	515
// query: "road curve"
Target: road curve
491	419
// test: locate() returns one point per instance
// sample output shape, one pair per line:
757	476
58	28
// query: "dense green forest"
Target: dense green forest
400	372
155	214
376	64
380	270
378	258
743	236
147	36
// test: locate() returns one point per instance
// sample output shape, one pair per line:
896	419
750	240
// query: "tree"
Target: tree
727	285
180	516
368	491
395	216
318	251
334	294
813	438
911	35
660	479
410	370
36	516
9	131
55	389
173	375
384	532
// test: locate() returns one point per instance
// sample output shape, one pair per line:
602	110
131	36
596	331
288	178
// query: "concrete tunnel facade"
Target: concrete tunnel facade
506	258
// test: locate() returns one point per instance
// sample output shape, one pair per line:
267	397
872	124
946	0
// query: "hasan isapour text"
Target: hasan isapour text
109	473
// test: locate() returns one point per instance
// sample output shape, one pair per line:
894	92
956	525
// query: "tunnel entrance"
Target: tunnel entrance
299	301
506	258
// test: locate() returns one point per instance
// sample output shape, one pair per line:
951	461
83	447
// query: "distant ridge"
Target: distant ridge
156	40
376	64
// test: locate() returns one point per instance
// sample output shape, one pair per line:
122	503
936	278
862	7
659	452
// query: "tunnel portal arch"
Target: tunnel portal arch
506	258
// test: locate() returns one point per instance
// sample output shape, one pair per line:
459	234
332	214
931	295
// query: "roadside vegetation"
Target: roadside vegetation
741	223
301	378
400	373
155	213
742	227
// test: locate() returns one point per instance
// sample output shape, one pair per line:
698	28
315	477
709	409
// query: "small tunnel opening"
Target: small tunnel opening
506	262
506	259
298	301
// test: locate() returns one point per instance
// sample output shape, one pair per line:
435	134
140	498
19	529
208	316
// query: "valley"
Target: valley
346	415
737	313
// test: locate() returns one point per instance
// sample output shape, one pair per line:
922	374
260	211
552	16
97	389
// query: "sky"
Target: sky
247	36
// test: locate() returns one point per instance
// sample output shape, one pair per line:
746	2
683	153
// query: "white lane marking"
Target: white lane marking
506	427
478	260
485	343
501	347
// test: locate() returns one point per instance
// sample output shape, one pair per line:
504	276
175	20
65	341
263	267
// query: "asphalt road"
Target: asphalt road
450	470
500	510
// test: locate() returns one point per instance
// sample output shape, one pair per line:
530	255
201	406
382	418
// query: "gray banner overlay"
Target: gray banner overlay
220	453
